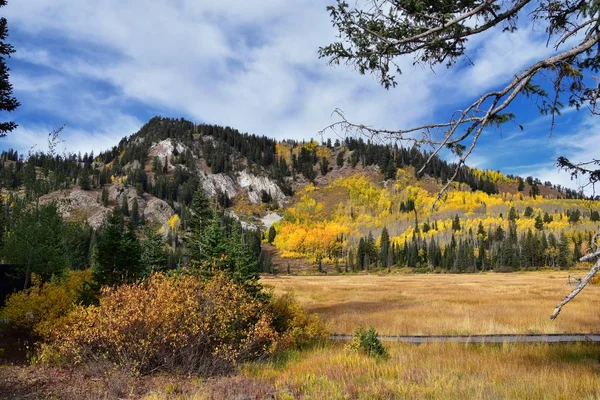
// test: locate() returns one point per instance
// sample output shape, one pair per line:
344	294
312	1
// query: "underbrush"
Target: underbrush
179	324
36	312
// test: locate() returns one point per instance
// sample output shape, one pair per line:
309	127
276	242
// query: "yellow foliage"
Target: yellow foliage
37	311
174	222
179	323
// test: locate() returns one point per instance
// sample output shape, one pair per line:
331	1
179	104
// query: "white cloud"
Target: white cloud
252	65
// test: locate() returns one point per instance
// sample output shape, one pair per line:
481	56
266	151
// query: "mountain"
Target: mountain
330	203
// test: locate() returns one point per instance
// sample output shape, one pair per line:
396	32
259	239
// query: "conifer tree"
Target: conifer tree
119	253
154	254
384	247
272	234
564	256
7	101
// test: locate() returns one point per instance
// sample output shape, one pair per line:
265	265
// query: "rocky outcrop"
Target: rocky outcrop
157	211
165	150
78	204
254	185
214	184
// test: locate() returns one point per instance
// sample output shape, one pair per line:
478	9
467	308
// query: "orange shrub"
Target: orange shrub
171	323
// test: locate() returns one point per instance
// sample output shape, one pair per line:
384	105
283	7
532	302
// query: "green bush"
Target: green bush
367	341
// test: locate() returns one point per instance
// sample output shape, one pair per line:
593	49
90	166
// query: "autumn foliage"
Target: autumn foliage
177	323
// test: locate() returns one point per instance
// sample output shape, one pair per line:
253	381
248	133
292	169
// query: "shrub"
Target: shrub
179	324
367	341
37	311
296	327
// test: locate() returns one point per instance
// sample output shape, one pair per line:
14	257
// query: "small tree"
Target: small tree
272	234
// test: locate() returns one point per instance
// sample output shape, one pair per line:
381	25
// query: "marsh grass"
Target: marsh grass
488	303
439	371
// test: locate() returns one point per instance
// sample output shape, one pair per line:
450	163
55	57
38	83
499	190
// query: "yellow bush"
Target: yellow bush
39	310
175	323
298	328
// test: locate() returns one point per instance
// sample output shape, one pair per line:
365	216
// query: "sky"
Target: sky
105	67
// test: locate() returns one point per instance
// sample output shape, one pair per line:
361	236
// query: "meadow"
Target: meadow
445	304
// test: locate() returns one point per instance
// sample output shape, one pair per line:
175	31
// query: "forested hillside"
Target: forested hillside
351	204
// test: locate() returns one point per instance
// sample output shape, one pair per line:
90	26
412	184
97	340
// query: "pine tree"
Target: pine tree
564	257
119	253
124	205
104	197
512	214
539	223
7	101
384	247
272	234
456	223
154	254
135	213
208	253
84	180
200	211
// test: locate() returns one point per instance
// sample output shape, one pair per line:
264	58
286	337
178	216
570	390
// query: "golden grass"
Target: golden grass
439	371
487	303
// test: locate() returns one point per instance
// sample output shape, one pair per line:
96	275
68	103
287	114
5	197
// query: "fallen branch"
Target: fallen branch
579	287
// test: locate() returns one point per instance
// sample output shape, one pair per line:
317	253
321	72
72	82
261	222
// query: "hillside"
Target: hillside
350	204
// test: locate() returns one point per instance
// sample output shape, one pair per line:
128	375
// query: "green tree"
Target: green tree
340	158
119	253
7	101
84	180
456	223
154	254
272	234
539	223
35	240
125	205
135	212
104	196
512	214
564	255
200	211
384	248
208	247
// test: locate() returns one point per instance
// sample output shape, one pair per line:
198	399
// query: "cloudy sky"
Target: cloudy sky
105	67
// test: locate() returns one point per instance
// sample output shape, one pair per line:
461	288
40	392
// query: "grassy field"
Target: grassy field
439	371
445	304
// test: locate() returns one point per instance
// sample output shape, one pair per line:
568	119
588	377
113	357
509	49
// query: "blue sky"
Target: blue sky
105	67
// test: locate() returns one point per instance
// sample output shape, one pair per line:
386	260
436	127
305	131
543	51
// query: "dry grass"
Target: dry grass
445	304
440	371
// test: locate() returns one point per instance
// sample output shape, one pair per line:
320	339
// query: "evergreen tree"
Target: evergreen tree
135	213
104	197
124	205
84	180
35	240
539	223
272	234
512	214
456	223
200	211
209	245
564	255
384	247
7	101
154	254
119	253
